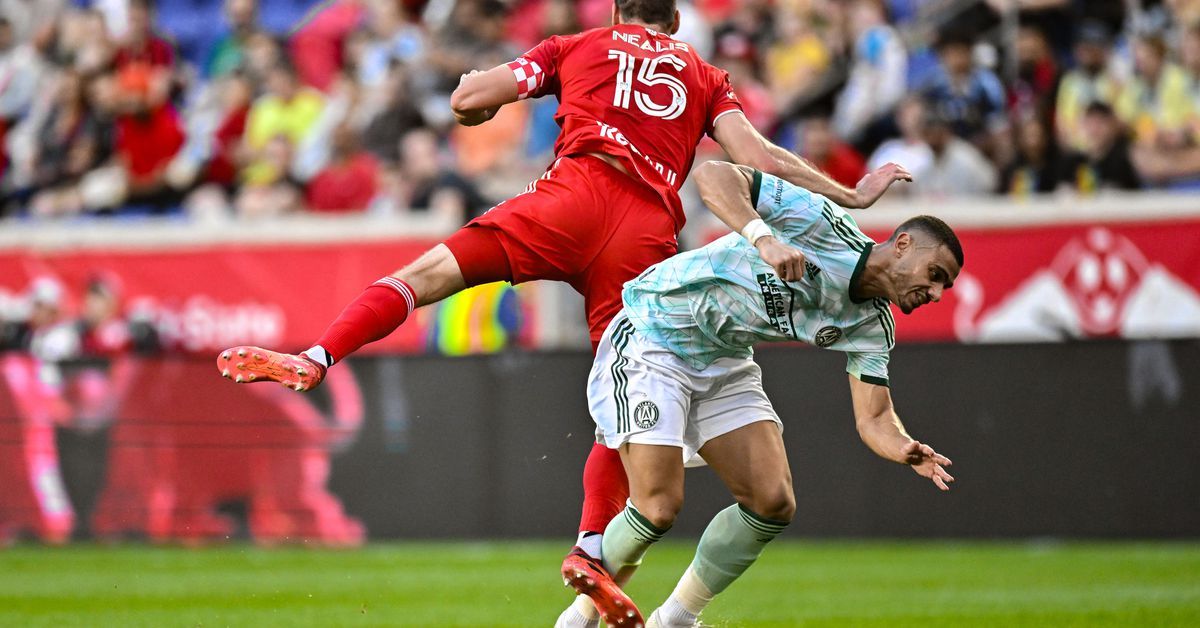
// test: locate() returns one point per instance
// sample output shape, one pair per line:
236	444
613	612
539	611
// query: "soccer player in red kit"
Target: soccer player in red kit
634	103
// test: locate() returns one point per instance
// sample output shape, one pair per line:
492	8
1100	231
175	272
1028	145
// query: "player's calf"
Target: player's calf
733	540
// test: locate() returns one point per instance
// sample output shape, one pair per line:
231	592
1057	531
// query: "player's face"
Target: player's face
926	271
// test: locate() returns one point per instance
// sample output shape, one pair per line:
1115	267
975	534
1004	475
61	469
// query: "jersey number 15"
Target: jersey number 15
648	74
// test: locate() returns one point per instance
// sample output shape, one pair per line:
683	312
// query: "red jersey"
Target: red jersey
632	93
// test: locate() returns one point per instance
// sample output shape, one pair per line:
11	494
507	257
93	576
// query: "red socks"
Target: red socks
605	488
377	312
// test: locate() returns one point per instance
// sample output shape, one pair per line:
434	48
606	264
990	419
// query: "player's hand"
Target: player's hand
927	463
474	118
463	79
787	261
872	186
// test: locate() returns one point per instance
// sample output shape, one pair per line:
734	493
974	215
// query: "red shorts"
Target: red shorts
588	224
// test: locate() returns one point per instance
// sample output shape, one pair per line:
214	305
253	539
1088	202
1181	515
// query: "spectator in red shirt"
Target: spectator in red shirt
142	45
317	46
1037	76
348	183
148	135
236	95
828	152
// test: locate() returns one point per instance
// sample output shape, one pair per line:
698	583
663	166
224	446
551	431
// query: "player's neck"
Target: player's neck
658	28
874	281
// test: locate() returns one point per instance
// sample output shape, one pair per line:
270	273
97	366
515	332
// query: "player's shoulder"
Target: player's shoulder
598	33
842	224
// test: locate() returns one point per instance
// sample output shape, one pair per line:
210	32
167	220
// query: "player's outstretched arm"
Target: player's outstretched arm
725	189
480	94
745	145
880	428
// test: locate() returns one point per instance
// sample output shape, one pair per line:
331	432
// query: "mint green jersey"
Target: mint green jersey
719	300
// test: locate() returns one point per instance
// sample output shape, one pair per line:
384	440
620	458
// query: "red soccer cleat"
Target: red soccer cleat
588	577
255	364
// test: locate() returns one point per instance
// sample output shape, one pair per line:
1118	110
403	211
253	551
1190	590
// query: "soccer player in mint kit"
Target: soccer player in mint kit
674	380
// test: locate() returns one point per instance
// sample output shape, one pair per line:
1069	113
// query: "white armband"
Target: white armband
755	230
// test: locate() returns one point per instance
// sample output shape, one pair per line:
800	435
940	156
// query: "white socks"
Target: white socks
318	354
576	617
583	605
591	542
687	600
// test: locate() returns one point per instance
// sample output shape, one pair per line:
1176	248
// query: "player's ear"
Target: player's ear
616	14
675	24
903	244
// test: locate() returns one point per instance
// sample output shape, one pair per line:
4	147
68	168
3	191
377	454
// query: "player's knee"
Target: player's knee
433	276
661	509
777	503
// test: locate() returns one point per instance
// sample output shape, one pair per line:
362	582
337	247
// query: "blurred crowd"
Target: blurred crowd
256	108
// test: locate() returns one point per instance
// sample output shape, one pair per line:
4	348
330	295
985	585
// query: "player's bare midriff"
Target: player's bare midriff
610	160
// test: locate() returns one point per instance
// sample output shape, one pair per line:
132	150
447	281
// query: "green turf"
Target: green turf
466	584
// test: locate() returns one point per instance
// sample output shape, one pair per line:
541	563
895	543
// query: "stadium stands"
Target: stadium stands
384	69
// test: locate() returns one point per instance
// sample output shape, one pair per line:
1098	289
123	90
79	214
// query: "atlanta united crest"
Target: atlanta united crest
645	415
827	336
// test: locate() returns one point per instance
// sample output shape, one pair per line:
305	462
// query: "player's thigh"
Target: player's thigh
640	400
752	463
551	230
655	475
743	443
634	394
642	236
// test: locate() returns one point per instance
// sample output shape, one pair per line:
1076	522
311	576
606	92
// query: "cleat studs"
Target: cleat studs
629	613
253	377
591	583
259	357
301	372
241	365
225	356
239	379
241	353
299	387
225	373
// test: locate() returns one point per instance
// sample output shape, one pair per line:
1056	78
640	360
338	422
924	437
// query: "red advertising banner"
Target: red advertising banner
1027	283
203	298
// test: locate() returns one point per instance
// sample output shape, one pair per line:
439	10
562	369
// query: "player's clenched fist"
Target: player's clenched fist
787	261
462	79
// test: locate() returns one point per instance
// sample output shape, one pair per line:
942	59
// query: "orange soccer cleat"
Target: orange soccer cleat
255	364
588	577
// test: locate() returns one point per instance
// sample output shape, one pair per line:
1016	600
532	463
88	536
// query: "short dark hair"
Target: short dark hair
935	228
1098	108
953	36
654	12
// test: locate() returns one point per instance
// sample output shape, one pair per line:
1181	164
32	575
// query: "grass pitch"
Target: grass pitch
516	584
